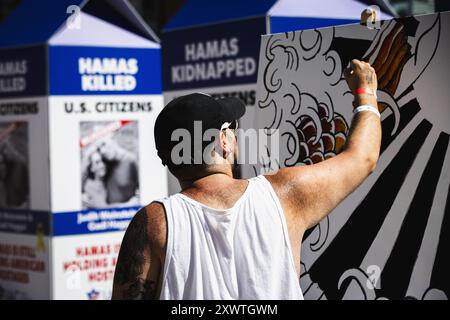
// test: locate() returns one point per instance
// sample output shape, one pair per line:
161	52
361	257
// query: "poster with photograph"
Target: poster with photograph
109	164
14	175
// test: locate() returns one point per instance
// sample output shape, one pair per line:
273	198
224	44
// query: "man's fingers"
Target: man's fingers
359	65
368	15
356	64
348	72
367	65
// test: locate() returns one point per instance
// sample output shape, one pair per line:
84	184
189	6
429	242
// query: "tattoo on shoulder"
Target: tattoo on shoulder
133	257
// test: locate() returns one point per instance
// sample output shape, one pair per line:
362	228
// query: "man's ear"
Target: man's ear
224	144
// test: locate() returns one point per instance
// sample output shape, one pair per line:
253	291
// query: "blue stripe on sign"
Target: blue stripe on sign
104	71
22	221
92	221
285	24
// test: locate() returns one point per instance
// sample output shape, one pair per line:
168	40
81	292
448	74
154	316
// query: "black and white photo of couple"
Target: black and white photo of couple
109	164
14	179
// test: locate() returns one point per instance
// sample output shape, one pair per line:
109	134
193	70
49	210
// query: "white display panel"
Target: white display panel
83	266
110	116
24	266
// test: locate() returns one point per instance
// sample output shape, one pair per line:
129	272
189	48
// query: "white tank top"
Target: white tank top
238	253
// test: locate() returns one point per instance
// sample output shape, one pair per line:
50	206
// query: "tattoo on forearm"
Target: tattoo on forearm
134	255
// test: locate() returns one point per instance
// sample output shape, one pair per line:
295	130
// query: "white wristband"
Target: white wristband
369	108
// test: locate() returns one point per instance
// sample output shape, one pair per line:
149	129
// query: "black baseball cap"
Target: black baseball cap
182	112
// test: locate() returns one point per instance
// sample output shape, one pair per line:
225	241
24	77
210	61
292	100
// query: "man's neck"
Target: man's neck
207	181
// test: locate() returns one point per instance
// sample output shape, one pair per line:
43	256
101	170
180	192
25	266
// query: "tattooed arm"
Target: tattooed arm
141	258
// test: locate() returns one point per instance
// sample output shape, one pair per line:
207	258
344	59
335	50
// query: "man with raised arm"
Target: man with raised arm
227	238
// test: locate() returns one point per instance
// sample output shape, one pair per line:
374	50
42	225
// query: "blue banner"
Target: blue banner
24	221
213	55
92	221
285	24
23	72
104	71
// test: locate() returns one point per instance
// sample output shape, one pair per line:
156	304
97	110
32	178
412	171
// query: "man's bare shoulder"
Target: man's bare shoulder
141	255
284	178
155	218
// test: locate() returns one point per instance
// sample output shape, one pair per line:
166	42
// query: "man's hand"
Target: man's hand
361	75
368	16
